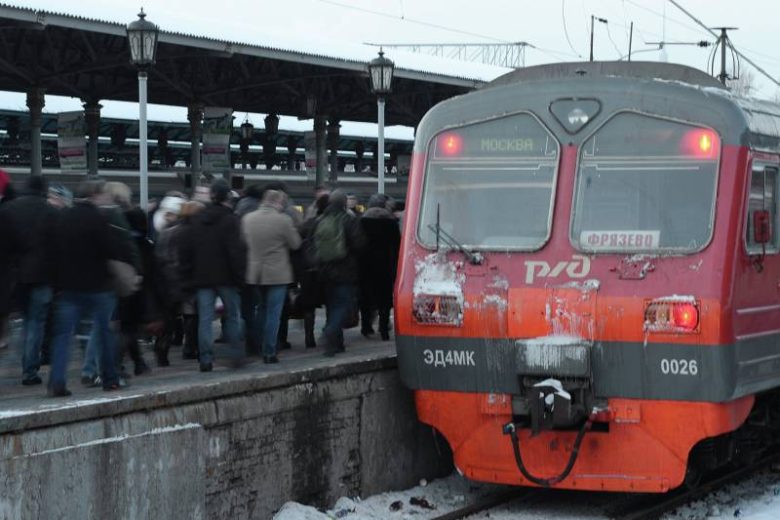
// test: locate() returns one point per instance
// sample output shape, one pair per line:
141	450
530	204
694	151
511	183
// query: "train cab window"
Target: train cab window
763	197
646	185
490	185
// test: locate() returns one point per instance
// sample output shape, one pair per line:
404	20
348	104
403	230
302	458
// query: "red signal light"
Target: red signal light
685	315
705	143
450	144
669	315
700	143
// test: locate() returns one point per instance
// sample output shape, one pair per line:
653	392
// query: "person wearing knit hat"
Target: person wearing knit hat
35	222
59	196
167	213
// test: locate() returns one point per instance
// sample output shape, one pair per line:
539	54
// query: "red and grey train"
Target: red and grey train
588	295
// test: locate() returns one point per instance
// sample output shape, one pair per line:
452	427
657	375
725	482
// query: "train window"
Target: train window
763	196
645	184
491	184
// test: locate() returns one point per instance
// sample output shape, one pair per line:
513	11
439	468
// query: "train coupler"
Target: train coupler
547	405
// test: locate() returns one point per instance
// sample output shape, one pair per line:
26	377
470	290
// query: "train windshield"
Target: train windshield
490	185
646	184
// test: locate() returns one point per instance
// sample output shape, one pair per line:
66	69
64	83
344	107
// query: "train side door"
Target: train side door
762	238
757	302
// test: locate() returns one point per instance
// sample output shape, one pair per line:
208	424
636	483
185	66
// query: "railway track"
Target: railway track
527	495
651	507
635	507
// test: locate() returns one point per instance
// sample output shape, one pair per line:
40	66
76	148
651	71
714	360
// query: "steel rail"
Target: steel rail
531	495
651	507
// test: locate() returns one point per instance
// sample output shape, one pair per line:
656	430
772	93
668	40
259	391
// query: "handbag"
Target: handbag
124	278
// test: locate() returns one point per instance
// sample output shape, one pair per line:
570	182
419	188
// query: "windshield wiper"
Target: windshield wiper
473	258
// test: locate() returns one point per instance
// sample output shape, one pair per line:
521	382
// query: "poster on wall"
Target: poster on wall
72	141
217	127
310	147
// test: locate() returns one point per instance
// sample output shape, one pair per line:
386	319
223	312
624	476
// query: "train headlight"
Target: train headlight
672	315
578	117
434	309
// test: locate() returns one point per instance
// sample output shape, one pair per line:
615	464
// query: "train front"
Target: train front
563	279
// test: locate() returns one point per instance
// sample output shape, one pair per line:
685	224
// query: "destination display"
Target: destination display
519	135
624	240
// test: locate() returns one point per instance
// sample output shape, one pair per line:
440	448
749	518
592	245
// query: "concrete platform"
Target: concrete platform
233	443
24	407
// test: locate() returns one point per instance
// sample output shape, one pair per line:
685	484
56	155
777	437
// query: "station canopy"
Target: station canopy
89	59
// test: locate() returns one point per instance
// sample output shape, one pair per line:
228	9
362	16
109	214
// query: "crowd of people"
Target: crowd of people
254	261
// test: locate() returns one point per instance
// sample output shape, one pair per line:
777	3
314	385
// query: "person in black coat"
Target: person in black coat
35	221
85	242
178	299
143	307
378	261
11	250
213	263
306	273
7	257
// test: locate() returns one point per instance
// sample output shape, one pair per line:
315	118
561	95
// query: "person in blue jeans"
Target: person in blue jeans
270	234
90	368
212	263
35	221
206	299
339	305
71	306
266	318
84	246
35	308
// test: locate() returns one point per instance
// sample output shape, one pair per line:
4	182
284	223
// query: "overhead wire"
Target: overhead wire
609	35
565	30
666	17
554	53
692	28
625	19
414	21
701	24
584	13
550	52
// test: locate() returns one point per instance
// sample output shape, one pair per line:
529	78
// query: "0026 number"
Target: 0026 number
679	367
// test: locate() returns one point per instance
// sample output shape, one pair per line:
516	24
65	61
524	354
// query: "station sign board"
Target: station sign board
217	128
72	141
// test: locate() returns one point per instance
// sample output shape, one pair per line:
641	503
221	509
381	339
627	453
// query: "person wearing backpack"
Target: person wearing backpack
337	240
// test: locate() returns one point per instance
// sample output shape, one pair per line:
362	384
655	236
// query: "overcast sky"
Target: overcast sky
559	29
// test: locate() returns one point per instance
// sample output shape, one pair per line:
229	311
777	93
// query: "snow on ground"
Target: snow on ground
757	498
425	501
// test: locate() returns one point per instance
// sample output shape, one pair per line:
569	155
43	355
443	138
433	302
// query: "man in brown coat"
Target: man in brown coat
270	235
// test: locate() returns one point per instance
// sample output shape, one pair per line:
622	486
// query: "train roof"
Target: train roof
628	69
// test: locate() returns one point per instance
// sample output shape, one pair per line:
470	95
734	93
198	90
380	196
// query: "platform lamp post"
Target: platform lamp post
380	71
247	132
142	36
